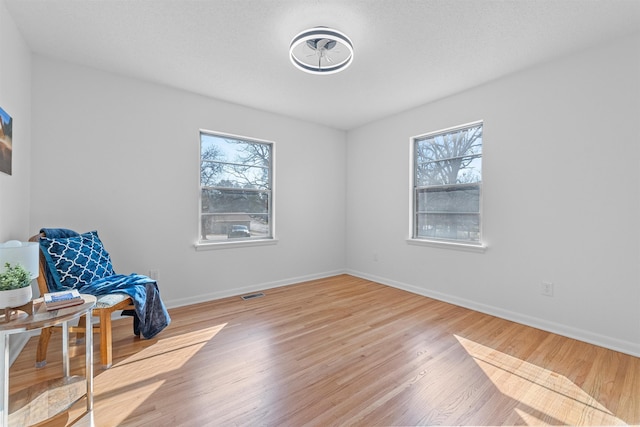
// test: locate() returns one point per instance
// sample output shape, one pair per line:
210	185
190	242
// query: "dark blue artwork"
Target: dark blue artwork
6	132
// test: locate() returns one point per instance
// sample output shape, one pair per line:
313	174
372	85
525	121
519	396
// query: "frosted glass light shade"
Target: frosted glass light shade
23	253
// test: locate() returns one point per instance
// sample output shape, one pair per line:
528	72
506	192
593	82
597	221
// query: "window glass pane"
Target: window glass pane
452	199
449	226
234	201
460	170
227	149
227	162
234	226
447	184
449	158
235	181
215	174
458	143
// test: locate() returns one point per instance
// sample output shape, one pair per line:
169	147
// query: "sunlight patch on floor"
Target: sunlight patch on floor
192	340
529	419
541	393
128	385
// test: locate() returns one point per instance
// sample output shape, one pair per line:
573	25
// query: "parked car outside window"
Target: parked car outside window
239	231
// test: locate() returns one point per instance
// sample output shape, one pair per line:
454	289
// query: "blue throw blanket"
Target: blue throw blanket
58	233
151	314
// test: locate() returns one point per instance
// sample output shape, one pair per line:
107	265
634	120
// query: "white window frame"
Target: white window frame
270	239
466	245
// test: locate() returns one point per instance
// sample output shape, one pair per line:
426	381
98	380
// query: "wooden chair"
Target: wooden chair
105	305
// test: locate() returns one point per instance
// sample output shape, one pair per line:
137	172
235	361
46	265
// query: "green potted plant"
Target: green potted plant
14	277
15	286
18	266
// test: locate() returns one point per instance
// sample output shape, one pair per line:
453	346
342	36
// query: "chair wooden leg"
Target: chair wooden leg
43	343
82	323
106	356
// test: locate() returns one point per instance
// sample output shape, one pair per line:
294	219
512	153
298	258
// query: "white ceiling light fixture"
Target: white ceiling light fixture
321	50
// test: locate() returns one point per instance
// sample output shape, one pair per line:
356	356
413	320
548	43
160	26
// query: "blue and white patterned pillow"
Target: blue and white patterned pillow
76	261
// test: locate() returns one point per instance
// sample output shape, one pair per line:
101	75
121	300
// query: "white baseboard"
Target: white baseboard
556	328
248	289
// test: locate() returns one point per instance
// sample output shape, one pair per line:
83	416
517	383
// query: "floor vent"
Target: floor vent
252	296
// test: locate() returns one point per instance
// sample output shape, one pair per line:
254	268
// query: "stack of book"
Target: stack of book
57	300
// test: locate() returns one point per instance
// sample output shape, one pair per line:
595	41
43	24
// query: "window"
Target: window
236	188
447	185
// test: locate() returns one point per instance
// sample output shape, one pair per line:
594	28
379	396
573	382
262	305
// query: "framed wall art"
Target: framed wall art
6	143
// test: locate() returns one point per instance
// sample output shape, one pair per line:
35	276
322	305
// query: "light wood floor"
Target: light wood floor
347	351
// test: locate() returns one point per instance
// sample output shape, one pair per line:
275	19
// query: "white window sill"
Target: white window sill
200	246
448	245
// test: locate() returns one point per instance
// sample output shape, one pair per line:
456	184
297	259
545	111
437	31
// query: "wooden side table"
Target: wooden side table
42	401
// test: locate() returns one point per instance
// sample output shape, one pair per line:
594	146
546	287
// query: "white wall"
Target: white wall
122	156
561	198
561	194
15	99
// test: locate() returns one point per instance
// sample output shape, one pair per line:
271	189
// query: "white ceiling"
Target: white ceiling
407	52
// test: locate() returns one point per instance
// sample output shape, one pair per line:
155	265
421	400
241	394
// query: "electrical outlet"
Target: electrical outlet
546	289
153	274
375	257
